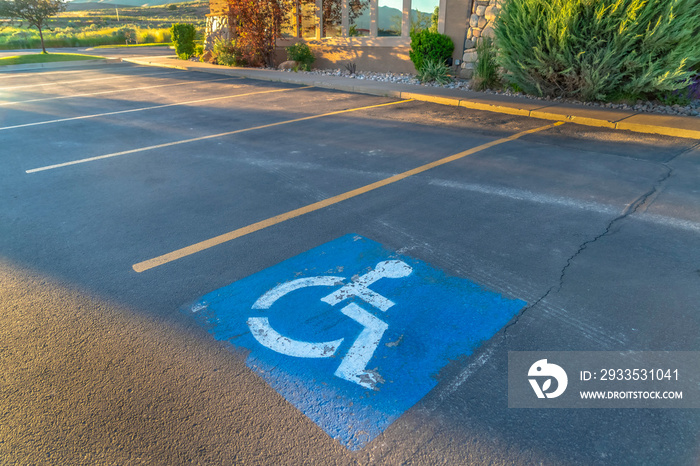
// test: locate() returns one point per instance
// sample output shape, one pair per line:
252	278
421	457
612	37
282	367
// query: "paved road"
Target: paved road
117	52
105	168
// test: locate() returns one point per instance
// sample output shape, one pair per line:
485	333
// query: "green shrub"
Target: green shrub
431	45
598	49
434	71
486	71
183	36
226	53
302	54
125	34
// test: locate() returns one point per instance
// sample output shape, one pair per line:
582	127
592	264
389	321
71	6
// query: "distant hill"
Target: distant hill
388	18
76	5
82	6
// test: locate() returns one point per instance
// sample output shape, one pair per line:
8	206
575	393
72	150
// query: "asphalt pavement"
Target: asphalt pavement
134	197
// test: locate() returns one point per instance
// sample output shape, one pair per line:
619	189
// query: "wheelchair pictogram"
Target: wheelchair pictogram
353	366
355	348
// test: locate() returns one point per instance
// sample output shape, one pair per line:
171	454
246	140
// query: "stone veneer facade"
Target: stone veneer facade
217	23
480	24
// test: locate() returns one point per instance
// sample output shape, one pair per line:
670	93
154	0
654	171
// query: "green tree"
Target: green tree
435	19
183	36
34	12
420	21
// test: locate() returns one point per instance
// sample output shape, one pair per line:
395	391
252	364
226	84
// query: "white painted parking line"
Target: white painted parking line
668	221
77	81
204	138
38	73
130	89
529	196
600	208
141	109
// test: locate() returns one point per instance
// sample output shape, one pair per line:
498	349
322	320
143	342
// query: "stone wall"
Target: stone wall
217	23
217	27
480	25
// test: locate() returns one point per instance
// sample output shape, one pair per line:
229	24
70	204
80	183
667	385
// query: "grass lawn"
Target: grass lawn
45	58
91	28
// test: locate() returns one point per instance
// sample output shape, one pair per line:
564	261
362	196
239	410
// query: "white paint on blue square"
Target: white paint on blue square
353	334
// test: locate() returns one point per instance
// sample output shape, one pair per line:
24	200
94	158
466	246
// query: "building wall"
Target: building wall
393	59
380	54
457	13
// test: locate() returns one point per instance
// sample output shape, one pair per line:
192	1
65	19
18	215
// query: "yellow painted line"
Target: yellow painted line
211	136
154	107
217	240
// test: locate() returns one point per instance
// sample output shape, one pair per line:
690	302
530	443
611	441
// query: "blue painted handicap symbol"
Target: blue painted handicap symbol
352	334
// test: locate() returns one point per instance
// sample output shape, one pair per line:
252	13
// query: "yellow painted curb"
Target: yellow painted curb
663	130
474	105
431	98
685	127
667	125
587	121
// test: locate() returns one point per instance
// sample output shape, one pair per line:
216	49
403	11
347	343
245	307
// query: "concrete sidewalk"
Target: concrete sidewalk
679	126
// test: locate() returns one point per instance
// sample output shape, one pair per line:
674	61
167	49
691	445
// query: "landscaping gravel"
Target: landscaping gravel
693	109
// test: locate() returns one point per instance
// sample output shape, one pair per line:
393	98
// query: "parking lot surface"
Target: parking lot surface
131	193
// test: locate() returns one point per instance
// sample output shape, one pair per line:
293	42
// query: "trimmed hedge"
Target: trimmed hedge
183	36
428	45
598	49
302	54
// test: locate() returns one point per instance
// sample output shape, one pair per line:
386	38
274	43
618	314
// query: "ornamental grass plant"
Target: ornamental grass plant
434	71
486	71
599	49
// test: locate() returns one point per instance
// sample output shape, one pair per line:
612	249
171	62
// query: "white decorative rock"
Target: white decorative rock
480	10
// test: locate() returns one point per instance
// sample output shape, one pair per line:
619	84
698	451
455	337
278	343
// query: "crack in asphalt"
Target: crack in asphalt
629	210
